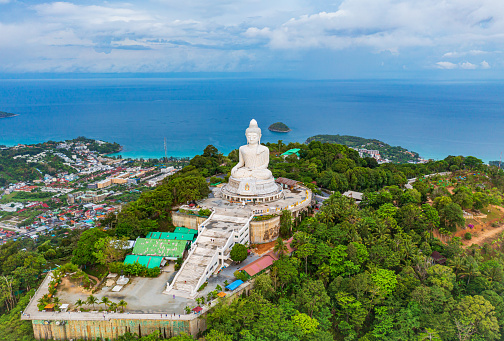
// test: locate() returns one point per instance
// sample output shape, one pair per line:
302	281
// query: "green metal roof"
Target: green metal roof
185	230
291	151
159	247
170	236
148	261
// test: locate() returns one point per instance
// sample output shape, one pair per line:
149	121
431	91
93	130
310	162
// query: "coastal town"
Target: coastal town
86	188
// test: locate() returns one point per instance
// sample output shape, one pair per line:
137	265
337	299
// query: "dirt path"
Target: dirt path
264	248
486	236
486	233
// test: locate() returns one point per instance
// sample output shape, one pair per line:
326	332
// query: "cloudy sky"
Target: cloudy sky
348	38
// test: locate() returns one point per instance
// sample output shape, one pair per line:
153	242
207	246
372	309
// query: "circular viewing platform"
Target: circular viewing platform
252	190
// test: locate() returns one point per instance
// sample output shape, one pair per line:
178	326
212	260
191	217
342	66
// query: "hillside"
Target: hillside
395	154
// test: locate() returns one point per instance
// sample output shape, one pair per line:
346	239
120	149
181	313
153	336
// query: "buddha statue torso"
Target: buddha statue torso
253	157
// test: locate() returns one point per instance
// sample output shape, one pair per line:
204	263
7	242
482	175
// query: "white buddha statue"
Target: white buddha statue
253	157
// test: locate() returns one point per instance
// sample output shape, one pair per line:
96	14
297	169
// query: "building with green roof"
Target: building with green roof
170	249
171	236
147	261
185	230
291	152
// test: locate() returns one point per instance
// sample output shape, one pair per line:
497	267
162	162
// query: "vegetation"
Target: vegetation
286	224
395	154
238	253
279	127
100	147
134	269
357	273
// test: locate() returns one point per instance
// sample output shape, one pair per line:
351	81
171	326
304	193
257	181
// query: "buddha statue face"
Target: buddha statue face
253	133
252	137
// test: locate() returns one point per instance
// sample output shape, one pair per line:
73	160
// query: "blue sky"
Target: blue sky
319	39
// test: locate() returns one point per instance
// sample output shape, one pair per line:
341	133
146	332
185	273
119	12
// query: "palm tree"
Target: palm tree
56	302
280	145
122	304
91	300
79	303
105	301
300	238
457	264
113	306
280	248
471	268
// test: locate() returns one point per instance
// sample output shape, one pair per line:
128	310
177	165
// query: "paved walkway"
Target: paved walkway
294	200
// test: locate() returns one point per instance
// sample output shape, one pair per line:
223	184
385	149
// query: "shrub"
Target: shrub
239	252
204	212
215	180
135	269
178	263
203	286
264	217
467	236
241	275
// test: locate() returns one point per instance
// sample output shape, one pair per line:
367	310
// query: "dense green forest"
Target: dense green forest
357	273
394	154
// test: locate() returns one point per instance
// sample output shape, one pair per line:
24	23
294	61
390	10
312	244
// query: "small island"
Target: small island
4	114
279	127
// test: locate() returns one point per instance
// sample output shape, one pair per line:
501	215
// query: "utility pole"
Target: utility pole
165	155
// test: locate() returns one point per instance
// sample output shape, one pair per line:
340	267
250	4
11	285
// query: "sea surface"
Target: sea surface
435	119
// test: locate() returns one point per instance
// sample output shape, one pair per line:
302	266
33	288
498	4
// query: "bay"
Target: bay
435	119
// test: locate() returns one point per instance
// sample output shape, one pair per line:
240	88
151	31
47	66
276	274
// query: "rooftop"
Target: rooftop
159	247
170	236
148	261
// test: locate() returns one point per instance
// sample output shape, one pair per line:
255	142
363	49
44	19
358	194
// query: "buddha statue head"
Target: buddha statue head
253	133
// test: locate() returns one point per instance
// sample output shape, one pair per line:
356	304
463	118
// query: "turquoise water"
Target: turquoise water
434	119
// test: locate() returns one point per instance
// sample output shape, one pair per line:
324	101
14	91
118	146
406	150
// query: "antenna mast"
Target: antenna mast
166	157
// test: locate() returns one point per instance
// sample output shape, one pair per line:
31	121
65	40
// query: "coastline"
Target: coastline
12	115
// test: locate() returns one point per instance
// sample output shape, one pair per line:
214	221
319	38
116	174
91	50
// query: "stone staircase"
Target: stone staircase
212	239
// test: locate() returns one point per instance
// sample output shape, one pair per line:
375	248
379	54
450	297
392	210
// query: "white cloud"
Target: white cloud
462	65
446	65
198	35
4	1
391	25
455	54
485	65
467	66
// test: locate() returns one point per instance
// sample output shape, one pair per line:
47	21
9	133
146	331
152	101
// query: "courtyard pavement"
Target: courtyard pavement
143	295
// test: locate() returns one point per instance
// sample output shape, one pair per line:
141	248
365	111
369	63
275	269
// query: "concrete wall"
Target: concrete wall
264	231
91	330
187	220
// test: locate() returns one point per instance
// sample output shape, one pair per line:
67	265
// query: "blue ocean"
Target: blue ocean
435	119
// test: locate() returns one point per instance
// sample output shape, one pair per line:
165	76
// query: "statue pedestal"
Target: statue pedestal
252	190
